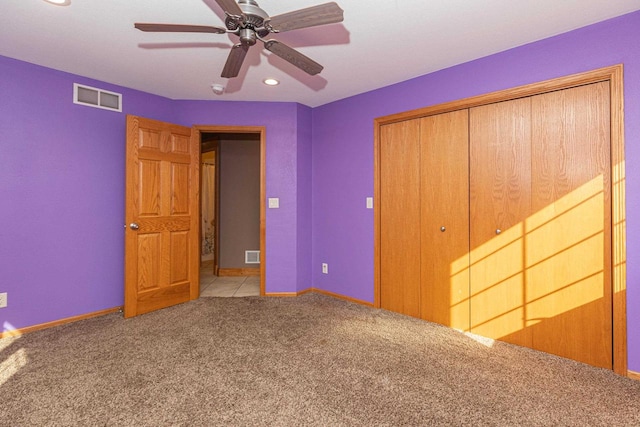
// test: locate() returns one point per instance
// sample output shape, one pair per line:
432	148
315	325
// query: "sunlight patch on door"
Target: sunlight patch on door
549	264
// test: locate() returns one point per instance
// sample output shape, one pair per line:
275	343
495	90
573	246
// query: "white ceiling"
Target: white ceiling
380	42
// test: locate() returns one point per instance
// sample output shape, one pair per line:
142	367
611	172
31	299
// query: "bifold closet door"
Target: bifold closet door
400	217
540	208
444	168
500	202
568	234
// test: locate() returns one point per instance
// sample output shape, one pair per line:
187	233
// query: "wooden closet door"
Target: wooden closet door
500	202
444	161
568	257
400	217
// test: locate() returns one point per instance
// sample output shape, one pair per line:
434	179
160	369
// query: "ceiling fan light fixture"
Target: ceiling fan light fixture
271	82
59	2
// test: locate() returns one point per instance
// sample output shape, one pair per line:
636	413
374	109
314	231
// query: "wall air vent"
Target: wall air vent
252	257
94	97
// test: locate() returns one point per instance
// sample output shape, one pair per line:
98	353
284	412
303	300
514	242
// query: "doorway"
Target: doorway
232	209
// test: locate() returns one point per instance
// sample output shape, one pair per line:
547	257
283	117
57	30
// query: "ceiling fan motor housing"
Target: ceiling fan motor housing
254	19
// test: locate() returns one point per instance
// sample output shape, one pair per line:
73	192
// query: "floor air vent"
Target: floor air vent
252	257
94	97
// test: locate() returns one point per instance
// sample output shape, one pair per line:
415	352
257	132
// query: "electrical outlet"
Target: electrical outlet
325	268
3	299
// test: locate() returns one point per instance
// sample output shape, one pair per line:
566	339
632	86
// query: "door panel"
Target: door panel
400	217
148	261
161	256
179	189
569	235
149	196
179	258
445	203
500	200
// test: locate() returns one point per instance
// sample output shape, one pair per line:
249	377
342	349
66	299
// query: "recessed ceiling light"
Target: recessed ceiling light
271	82
59	2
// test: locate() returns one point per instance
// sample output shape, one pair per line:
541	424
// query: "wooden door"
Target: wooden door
400	217
568	235
500	201
161	238
444	164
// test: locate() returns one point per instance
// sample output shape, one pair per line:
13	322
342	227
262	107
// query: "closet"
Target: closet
496	219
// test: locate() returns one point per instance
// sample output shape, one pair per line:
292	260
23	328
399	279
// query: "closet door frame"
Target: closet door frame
613	75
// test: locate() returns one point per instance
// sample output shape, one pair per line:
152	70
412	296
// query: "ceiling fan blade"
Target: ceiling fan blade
301	61
230	7
177	28
328	13
234	61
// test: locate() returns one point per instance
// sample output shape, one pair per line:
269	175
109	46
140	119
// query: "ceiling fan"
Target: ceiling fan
246	20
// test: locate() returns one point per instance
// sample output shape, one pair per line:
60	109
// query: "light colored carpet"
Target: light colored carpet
311	360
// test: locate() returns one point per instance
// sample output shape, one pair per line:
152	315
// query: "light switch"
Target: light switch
274	202
369	202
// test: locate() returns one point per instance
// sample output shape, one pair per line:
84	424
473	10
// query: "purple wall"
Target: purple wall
61	194
343	147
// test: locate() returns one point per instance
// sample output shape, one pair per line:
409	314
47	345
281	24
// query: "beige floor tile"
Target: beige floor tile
213	291
228	286
253	279
248	290
238	280
225	286
206	279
